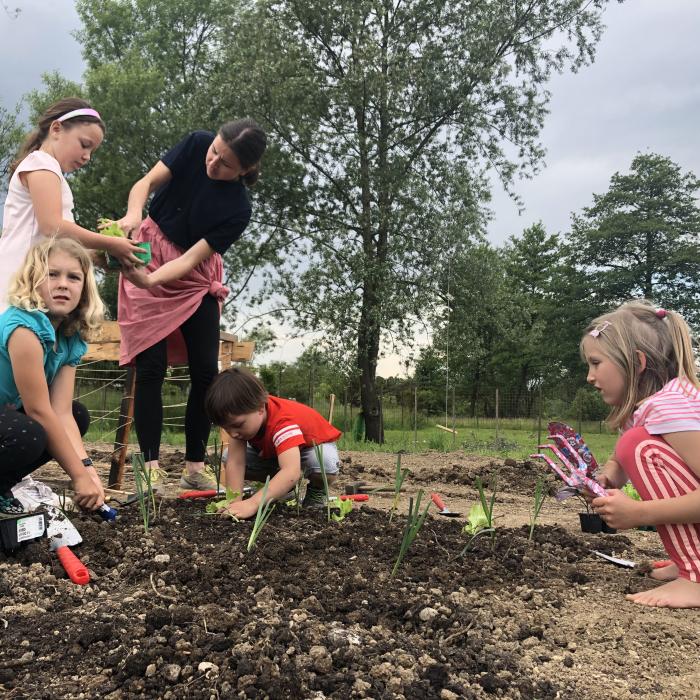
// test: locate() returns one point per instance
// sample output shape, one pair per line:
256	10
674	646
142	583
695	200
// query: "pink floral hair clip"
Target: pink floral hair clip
599	329
661	313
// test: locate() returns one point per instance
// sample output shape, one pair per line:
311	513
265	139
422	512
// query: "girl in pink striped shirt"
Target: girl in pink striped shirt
641	360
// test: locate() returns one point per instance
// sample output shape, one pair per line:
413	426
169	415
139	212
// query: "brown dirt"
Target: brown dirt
186	612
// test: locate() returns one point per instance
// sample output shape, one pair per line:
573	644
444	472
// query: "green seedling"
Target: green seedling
341	508
318	450
215	506
265	509
630	491
144	489
111	228
538	500
414	523
399	476
480	521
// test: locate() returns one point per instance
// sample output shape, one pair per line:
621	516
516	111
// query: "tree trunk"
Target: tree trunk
367	354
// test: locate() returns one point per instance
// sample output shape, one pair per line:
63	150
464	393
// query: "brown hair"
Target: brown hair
35	138
233	392
247	141
663	337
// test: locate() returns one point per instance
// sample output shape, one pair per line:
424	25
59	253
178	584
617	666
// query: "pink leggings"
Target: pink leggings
657	472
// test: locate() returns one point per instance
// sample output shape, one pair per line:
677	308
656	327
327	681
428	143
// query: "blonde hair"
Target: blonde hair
663	337
24	287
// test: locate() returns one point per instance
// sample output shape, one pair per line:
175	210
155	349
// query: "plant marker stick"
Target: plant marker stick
76	570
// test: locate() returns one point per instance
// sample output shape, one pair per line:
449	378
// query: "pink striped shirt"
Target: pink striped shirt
673	409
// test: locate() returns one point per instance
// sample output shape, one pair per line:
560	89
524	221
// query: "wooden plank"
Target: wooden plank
107	333
121	441
447	430
102	351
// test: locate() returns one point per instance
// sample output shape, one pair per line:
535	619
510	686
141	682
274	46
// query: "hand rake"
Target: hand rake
573	475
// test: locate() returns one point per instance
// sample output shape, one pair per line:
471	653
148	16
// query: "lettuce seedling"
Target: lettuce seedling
476	521
340	509
111	228
215	506
630	491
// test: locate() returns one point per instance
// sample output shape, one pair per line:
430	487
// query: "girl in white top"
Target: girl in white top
641	360
39	202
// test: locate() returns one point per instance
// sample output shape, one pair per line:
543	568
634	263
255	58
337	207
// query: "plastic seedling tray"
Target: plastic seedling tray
16	530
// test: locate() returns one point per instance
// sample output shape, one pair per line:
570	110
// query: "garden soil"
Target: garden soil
185	611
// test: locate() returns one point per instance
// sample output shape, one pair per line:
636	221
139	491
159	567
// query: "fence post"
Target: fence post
454	421
415	415
497	431
539	420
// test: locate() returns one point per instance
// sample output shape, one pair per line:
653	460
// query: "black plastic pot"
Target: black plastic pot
593	523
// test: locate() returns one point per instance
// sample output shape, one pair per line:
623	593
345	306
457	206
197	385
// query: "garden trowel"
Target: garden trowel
443	509
63	535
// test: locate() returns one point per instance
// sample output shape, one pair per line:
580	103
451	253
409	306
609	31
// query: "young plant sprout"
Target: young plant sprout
261	517
399	476
341	508
144	489
297	496
215	506
318	450
538	500
414	523
480	520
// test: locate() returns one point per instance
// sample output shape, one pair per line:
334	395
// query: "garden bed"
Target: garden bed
186	612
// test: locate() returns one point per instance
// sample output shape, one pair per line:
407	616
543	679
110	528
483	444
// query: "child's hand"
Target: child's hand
123	249
240	509
137	276
619	510
129	224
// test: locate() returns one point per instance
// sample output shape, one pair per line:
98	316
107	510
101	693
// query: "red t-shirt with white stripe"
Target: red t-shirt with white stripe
292	424
673	409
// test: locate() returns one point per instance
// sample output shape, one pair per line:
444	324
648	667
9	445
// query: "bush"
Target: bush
588	405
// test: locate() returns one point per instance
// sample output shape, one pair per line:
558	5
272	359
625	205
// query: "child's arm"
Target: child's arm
622	512
45	190
174	270
235	466
156	177
27	358
280	484
61	397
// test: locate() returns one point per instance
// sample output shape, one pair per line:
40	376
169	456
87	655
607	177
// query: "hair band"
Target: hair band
599	329
661	313
83	112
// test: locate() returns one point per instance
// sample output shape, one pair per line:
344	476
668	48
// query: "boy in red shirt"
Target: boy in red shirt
270	436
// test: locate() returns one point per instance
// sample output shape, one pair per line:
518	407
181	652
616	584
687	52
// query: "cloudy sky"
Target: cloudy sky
642	94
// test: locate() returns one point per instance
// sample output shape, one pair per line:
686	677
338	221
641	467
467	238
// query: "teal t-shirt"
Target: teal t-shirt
68	351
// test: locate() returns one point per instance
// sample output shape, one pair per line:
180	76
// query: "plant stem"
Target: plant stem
414	523
265	509
318	450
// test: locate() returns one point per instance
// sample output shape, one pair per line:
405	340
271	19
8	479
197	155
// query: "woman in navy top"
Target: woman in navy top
170	312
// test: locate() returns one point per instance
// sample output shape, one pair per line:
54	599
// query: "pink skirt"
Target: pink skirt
146	316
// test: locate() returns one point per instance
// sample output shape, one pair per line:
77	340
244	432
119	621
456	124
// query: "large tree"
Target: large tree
393	110
10	137
640	238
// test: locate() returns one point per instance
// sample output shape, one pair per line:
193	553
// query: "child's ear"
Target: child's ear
642	359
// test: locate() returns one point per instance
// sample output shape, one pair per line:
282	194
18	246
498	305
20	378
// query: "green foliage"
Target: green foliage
214	507
10	139
144	489
399	477
640	238
265	509
341	508
632	492
588	405
414	522
111	228
477	520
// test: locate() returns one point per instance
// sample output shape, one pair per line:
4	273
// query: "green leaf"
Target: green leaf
477	520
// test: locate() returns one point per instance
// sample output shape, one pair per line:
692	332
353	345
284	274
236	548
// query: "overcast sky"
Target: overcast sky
642	94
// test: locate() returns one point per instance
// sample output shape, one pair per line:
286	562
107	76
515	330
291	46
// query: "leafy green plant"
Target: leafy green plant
144	489
318	450
538	500
414	522
110	228
265	509
214	507
340	509
399	476
630	491
480	520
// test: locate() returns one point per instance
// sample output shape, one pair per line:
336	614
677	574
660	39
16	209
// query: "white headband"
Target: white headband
84	112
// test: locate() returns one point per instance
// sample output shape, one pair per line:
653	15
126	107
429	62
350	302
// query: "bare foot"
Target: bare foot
665	573
680	593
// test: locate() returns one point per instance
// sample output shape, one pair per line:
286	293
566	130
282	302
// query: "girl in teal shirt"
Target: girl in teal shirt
53	303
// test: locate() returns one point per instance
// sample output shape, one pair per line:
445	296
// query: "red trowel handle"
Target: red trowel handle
76	570
354	497
435	498
209	493
661	563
